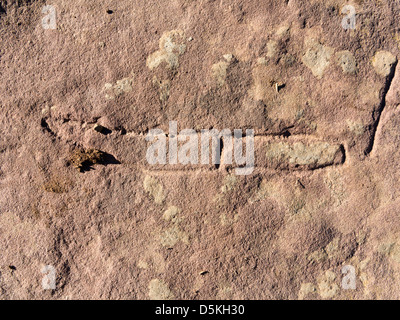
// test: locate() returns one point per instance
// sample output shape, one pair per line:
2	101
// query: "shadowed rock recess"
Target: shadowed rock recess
317	218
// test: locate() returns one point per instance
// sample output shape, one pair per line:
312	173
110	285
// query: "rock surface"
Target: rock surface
77	193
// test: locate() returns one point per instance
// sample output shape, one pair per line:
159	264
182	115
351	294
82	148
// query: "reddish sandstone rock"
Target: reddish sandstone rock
322	101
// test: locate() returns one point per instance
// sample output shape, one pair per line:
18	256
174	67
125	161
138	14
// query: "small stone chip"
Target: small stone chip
83	159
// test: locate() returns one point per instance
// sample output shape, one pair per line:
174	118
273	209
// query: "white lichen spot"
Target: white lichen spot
262	61
152	259
159	290
335	182
282	31
332	249
317	57
142	264
395	253
229	183
164	87
171	213
317	256
227	221
356	127
46	109
326	285
119	88
219	69
306	289
219	72
383	62
272	48
346	61
171	47
225	292
229	57
154	188
392	250
170	237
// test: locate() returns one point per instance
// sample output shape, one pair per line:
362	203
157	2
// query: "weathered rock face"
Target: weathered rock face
84	82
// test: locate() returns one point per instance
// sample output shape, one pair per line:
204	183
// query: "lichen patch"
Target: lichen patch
317	57
154	188
172	45
119	88
159	290
383	62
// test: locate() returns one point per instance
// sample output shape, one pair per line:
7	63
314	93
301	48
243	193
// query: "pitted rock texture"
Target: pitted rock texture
78	194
